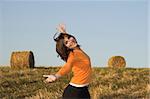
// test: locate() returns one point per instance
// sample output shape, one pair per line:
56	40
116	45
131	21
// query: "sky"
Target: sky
103	28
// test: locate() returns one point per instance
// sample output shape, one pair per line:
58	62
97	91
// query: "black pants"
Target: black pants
72	92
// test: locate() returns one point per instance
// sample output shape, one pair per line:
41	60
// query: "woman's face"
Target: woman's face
70	42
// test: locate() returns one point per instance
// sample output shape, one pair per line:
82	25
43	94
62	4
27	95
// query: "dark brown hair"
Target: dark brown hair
61	49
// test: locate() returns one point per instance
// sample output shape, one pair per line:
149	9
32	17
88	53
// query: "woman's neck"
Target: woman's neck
76	48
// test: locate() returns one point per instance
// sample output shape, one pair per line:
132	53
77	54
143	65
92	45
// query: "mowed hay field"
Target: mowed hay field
107	83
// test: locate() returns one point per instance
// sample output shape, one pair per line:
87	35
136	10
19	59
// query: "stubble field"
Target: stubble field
107	83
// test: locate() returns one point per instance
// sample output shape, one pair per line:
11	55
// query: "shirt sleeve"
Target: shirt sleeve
68	66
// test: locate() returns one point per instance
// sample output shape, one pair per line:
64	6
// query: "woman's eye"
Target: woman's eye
69	37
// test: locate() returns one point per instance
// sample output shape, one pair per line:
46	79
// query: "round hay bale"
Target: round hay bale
116	61
22	60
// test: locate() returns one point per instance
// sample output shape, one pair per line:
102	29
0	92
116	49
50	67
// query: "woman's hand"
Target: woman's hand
61	28
50	78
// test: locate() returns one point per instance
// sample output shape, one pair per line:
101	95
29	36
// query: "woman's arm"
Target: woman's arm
63	71
61	28
67	67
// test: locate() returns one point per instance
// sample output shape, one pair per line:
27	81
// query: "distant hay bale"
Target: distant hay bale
22	60
116	61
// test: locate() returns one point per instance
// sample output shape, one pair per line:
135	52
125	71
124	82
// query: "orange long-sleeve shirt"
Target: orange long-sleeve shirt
79	63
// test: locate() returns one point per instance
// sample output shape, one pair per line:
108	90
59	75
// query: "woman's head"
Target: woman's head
70	41
64	44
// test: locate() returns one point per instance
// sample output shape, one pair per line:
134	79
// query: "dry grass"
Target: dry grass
123	83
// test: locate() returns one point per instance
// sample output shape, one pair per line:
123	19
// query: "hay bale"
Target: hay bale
116	61
22	60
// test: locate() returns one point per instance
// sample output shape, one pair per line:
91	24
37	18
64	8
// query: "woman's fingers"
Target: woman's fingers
61	28
50	78
45	75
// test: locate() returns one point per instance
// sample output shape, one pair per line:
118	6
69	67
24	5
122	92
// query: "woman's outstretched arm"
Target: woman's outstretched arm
61	28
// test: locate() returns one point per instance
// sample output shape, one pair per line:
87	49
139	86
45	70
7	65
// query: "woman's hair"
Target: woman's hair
61	49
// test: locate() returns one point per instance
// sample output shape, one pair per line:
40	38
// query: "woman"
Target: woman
77	61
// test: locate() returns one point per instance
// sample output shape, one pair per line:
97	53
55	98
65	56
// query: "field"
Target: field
107	83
